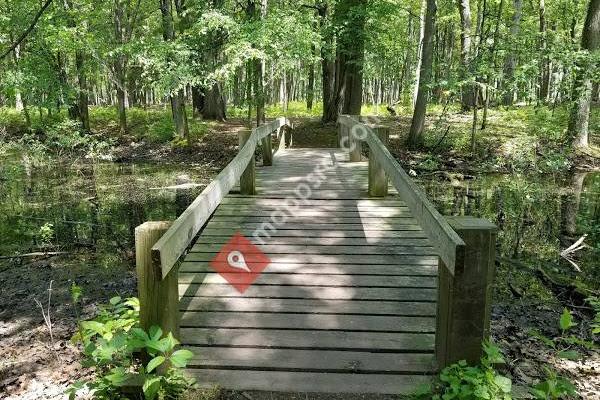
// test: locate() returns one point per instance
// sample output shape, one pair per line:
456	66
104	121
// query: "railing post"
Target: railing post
248	177
354	143
341	132
464	299
378	182
267	148
159	297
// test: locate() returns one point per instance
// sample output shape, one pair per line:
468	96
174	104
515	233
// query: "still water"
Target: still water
92	210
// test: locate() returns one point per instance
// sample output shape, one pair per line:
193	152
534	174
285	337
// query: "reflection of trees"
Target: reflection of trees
569	207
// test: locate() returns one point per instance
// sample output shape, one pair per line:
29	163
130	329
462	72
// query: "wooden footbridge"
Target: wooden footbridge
368	288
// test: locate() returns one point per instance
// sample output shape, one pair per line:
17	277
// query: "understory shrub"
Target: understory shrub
124	357
465	382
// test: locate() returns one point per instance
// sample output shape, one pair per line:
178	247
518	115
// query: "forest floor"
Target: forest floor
39	365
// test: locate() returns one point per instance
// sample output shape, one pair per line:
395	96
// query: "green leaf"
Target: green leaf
504	383
94	326
566	320
75	293
154	363
155	332
180	358
569	354
151	387
115	300
171	342
117	376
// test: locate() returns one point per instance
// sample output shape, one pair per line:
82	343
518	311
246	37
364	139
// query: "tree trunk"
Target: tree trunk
422	23
327	66
119	65
510	62
83	97
177	99
582	88
259	91
467	96
214	104
415	135
544	79
350	17
310	90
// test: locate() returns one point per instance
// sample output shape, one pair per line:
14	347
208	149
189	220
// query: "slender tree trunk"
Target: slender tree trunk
415	135
510	62
544	79
582	88
465	53
119	64
83	96
310	90
178	98
422	23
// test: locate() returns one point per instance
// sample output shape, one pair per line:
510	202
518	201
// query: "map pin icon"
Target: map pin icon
235	259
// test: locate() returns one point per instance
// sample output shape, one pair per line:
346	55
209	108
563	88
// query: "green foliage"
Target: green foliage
112	345
463	382
46	233
595	325
566	321
553	387
430	163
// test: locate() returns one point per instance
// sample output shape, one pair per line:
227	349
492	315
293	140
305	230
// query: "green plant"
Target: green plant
115	346
563	344
461	381
595	325
46	233
554	387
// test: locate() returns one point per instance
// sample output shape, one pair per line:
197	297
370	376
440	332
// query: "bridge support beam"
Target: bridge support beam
248	177
464	299
159	297
378	180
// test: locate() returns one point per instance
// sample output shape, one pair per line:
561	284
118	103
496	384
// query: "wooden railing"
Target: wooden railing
159	245
465	246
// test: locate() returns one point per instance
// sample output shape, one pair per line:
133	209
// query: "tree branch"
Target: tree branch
27	31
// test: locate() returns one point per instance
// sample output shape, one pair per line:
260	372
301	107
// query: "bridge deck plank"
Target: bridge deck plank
347	303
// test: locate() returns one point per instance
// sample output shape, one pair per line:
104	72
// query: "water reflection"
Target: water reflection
537	216
91	208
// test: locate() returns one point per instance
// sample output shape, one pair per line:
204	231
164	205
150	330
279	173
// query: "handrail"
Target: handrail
169	248
451	247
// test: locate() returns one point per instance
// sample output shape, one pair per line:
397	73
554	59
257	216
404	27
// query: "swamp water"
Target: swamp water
90	212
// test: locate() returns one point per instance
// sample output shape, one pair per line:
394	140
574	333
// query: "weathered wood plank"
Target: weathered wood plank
390	226
373	235
301	219
325	241
329	360
325	250
333	269
274	338
328	322
316	280
310	381
333	259
399	308
308	292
